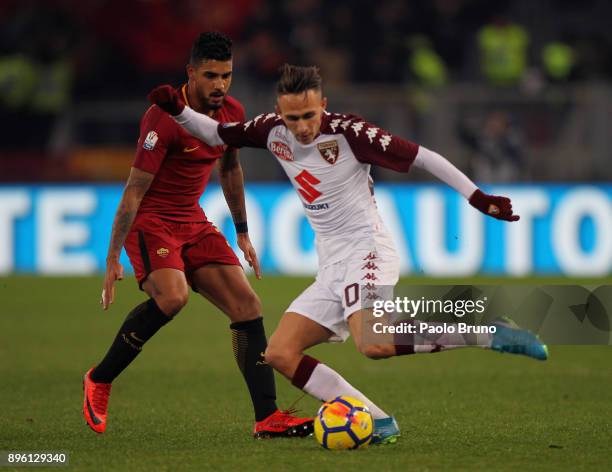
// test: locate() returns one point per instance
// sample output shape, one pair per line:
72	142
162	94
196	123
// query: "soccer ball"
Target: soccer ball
343	423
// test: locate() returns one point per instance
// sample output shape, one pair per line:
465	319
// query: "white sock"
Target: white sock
326	384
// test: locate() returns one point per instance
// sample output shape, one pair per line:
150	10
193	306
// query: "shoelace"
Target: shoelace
282	417
292	408
100	397
288	412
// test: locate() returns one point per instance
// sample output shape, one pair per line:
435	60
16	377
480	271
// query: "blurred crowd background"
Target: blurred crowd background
512	91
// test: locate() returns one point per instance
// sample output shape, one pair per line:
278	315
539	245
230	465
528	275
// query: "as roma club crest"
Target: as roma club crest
329	151
163	252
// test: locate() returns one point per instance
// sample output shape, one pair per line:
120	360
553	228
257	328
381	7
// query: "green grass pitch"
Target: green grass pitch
182	404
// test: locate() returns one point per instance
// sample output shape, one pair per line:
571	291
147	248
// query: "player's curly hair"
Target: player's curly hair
298	79
211	45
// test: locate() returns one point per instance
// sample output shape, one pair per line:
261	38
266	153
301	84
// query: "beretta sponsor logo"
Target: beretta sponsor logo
281	150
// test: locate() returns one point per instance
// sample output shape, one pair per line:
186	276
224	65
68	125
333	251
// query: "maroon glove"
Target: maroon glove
493	205
168	99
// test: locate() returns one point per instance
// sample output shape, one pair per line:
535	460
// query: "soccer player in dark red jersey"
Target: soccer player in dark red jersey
172	245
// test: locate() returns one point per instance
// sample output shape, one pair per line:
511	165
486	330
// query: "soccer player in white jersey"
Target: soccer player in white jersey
327	157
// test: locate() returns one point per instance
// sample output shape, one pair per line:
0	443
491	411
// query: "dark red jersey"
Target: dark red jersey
181	163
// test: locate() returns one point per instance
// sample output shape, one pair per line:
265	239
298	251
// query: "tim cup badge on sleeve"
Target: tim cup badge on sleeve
150	140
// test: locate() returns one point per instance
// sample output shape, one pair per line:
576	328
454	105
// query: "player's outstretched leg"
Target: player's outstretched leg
508	337
139	326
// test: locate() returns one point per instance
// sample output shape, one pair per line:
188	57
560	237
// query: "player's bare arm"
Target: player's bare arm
232	182
137	185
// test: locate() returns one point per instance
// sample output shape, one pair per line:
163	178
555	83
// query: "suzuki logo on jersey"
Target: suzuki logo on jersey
306	181
329	151
281	150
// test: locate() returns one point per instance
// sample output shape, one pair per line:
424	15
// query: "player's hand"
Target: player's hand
114	271
244	243
168	99
493	205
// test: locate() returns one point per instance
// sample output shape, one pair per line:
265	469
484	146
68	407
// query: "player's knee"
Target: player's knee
279	357
377	351
273	355
252	305
247	307
172	302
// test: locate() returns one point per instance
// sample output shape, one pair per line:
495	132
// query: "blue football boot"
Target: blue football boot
509	337
386	431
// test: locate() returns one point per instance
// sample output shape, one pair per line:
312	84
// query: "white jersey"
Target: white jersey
357	260
331	175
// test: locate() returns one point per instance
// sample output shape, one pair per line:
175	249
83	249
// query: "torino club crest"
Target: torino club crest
329	151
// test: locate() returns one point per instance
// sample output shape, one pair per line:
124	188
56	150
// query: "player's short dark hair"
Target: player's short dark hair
211	45
298	79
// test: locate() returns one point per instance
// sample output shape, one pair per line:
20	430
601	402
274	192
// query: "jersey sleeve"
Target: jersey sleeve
238	115
374	145
157	132
253	133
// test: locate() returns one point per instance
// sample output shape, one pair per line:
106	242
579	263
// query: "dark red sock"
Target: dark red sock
304	371
404	342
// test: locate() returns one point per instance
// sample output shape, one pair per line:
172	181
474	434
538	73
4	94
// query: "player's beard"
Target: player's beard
214	102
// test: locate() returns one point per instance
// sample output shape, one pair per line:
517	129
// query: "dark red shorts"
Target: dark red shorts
154	243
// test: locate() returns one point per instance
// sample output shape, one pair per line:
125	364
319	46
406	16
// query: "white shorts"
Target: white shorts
345	287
